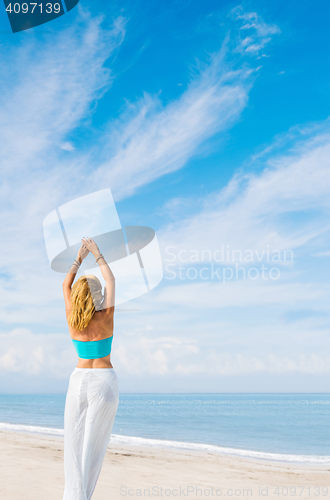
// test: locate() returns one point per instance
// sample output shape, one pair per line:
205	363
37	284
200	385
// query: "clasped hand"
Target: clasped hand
88	245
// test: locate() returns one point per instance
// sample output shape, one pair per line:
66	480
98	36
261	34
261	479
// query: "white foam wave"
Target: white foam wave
33	429
181	445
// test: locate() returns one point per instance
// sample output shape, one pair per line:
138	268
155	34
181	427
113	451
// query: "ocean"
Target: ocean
281	427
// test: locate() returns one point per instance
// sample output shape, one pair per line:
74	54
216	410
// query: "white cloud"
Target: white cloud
190	358
67	146
260	212
149	140
51	89
29	354
259	31
52	355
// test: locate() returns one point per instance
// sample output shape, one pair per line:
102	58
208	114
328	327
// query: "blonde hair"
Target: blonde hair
86	298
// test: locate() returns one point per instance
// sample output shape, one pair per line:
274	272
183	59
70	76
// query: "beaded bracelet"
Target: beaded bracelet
75	263
99	257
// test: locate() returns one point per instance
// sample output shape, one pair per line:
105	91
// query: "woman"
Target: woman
92	398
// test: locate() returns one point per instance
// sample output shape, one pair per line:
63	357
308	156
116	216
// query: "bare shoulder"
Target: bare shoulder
109	311
105	314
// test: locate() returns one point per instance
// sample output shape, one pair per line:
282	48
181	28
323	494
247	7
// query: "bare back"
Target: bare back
100	327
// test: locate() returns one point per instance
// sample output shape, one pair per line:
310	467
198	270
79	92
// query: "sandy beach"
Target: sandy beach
32	469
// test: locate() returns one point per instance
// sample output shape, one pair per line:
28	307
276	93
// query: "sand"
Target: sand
32	469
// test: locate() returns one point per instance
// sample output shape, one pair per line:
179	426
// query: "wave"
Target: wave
179	445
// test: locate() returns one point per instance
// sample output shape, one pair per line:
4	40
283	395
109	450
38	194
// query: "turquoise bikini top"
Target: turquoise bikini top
93	349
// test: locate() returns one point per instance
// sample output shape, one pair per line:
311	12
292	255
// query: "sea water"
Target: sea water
284	427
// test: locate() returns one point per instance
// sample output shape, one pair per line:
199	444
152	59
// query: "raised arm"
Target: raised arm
109	291
69	279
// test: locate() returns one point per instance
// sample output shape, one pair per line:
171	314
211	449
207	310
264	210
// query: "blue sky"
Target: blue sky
210	123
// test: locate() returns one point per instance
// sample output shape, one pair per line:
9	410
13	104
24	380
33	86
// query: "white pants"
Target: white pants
90	409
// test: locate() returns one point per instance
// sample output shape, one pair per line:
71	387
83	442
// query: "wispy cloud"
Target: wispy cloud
259	33
67	146
51	88
260	211
149	140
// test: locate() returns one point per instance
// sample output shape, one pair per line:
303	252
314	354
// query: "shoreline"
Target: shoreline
134	441
37	460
